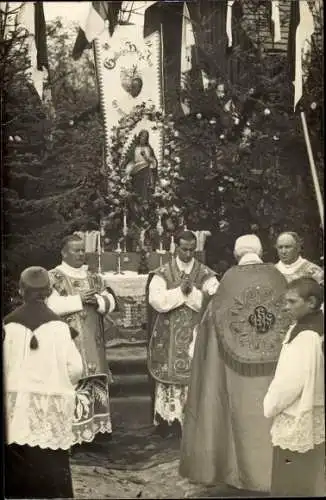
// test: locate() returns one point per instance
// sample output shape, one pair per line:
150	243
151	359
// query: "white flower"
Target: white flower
166	151
221	189
71	122
212	121
313	105
199	116
164	182
247	132
222	136
236	121
177	159
267	111
276	138
223	224
176	133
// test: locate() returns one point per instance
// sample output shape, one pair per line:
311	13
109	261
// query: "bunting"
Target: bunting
301	31
229	22
31	17
187	44
99	16
275	15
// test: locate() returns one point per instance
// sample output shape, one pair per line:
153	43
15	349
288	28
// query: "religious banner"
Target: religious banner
129	76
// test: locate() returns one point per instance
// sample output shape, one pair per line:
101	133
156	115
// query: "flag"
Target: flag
275	15
229	22
301	31
187	44
31	17
99	16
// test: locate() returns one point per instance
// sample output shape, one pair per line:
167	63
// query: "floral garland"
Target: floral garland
164	199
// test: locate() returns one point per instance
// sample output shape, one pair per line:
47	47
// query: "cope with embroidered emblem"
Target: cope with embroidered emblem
262	320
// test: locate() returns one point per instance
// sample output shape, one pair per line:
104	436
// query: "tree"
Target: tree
53	183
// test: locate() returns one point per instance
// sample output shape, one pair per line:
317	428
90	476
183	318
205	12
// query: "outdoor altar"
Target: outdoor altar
127	274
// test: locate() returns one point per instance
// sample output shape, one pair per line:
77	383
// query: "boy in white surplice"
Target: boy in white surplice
295	399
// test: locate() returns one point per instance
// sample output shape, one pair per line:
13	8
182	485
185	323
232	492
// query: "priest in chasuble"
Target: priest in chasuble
82	299
225	437
178	292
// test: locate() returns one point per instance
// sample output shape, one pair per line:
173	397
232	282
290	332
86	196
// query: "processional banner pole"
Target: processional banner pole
313	169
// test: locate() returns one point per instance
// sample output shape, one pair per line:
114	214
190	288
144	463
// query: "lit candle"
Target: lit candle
172	245
159	226
125	220
118	247
99	249
142	238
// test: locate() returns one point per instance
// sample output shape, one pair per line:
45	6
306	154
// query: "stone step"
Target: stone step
130	412
125	360
125	385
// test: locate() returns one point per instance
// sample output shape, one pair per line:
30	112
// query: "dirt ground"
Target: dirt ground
137	464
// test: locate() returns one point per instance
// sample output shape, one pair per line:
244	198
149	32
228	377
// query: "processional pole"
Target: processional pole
162	70
313	169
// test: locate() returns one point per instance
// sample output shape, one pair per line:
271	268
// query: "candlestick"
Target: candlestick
99	252
99	242
118	253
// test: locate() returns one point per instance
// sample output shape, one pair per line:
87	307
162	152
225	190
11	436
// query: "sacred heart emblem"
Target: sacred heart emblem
131	81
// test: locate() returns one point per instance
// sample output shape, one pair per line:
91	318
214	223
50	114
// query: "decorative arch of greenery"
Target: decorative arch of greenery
120	195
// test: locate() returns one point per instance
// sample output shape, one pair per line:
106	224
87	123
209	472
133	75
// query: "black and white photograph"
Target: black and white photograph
162	167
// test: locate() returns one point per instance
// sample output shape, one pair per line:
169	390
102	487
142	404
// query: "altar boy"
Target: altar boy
295	398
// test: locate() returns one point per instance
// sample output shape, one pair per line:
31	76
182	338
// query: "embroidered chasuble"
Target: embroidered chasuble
168	357
92	409
225	435
171	332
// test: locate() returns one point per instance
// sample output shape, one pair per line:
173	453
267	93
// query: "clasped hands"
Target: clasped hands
88	297
186	286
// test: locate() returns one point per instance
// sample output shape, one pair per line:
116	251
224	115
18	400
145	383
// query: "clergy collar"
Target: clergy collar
290	268
74	272
185	266
250	258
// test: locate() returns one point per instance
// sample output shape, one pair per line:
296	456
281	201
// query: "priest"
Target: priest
225	436
81	298
178	293
291	264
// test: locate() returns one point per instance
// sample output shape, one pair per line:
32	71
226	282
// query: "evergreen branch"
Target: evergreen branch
24	205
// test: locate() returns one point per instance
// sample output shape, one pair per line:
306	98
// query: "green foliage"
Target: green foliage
231	166
53	179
